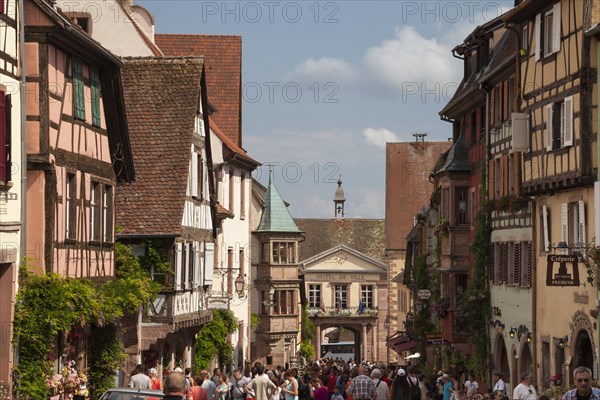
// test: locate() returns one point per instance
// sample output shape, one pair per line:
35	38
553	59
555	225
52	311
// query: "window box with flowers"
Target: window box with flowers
557	388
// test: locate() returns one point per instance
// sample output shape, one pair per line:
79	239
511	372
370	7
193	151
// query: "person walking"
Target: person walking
154	381
261	384
174	386
447	387
289	388
471	386
381	388
318	391
525	390
583	389
208	385
362	387
400	387
498	382
139	380
238	385
196	392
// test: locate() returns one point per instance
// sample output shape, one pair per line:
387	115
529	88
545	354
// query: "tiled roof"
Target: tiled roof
161	98
231	146
366	236
457	159
275	216
503	58
223	59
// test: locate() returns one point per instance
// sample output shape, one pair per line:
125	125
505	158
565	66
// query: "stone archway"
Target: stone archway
583	352
345	333
526	360
501	357
582	346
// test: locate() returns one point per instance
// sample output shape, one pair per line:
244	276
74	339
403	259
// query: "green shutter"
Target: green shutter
78	87
95	82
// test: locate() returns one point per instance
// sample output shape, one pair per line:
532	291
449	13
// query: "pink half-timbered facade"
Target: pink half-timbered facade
77	146
10	177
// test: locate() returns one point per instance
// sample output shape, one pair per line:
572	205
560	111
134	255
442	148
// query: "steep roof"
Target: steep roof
162	96
223	58
457	159
366	236
503	58
275	216
233	151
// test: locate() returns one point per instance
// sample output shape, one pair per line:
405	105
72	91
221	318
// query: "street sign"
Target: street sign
424	294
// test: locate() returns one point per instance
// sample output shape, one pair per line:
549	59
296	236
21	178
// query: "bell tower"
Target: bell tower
339	199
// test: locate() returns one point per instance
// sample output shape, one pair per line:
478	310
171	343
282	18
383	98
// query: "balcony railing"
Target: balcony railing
352	312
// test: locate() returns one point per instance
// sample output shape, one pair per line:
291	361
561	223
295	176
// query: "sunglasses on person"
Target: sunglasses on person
586	380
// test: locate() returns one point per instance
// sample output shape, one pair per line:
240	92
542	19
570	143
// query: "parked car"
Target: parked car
132	394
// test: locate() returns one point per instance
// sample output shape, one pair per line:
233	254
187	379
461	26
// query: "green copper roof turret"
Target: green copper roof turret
276	216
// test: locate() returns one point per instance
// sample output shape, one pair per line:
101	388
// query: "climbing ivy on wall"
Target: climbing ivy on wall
50	307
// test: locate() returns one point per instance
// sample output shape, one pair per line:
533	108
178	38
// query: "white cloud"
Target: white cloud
323	69
410	58
379	137
367	202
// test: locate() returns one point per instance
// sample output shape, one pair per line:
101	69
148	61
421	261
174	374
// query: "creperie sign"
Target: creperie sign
563	270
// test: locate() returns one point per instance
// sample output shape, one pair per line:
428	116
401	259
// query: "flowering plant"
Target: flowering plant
556	380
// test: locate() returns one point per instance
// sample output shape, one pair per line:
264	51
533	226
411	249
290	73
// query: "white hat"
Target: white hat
178	369
401	372
153	371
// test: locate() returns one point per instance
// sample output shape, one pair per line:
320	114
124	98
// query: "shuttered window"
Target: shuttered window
549	125
503	268
78	89
546	230
527	264
516	264
4	136
2	7
95	85
95	211
107	213
566	123
71	207
490	261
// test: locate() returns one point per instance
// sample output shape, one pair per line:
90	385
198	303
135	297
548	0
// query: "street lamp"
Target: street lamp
240	285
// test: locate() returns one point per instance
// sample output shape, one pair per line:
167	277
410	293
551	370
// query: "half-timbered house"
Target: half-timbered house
77	146
510	252
168	208
556	86
233	168
10	175
458	179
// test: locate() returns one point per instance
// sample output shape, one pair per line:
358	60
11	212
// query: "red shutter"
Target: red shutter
3	135
1	6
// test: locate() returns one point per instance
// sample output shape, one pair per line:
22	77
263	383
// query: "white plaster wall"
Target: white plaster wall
110	25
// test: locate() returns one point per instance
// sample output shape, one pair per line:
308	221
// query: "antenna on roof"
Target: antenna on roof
420	137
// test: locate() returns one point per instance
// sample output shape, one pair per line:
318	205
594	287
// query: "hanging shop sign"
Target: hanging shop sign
563	270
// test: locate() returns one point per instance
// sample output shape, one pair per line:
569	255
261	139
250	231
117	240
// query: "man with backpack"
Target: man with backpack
413	382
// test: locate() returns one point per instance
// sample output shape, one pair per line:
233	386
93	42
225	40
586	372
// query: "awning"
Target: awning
400	343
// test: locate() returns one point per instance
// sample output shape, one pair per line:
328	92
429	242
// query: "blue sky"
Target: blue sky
327	83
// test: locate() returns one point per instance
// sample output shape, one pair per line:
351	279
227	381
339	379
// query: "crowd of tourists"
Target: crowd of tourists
344	381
